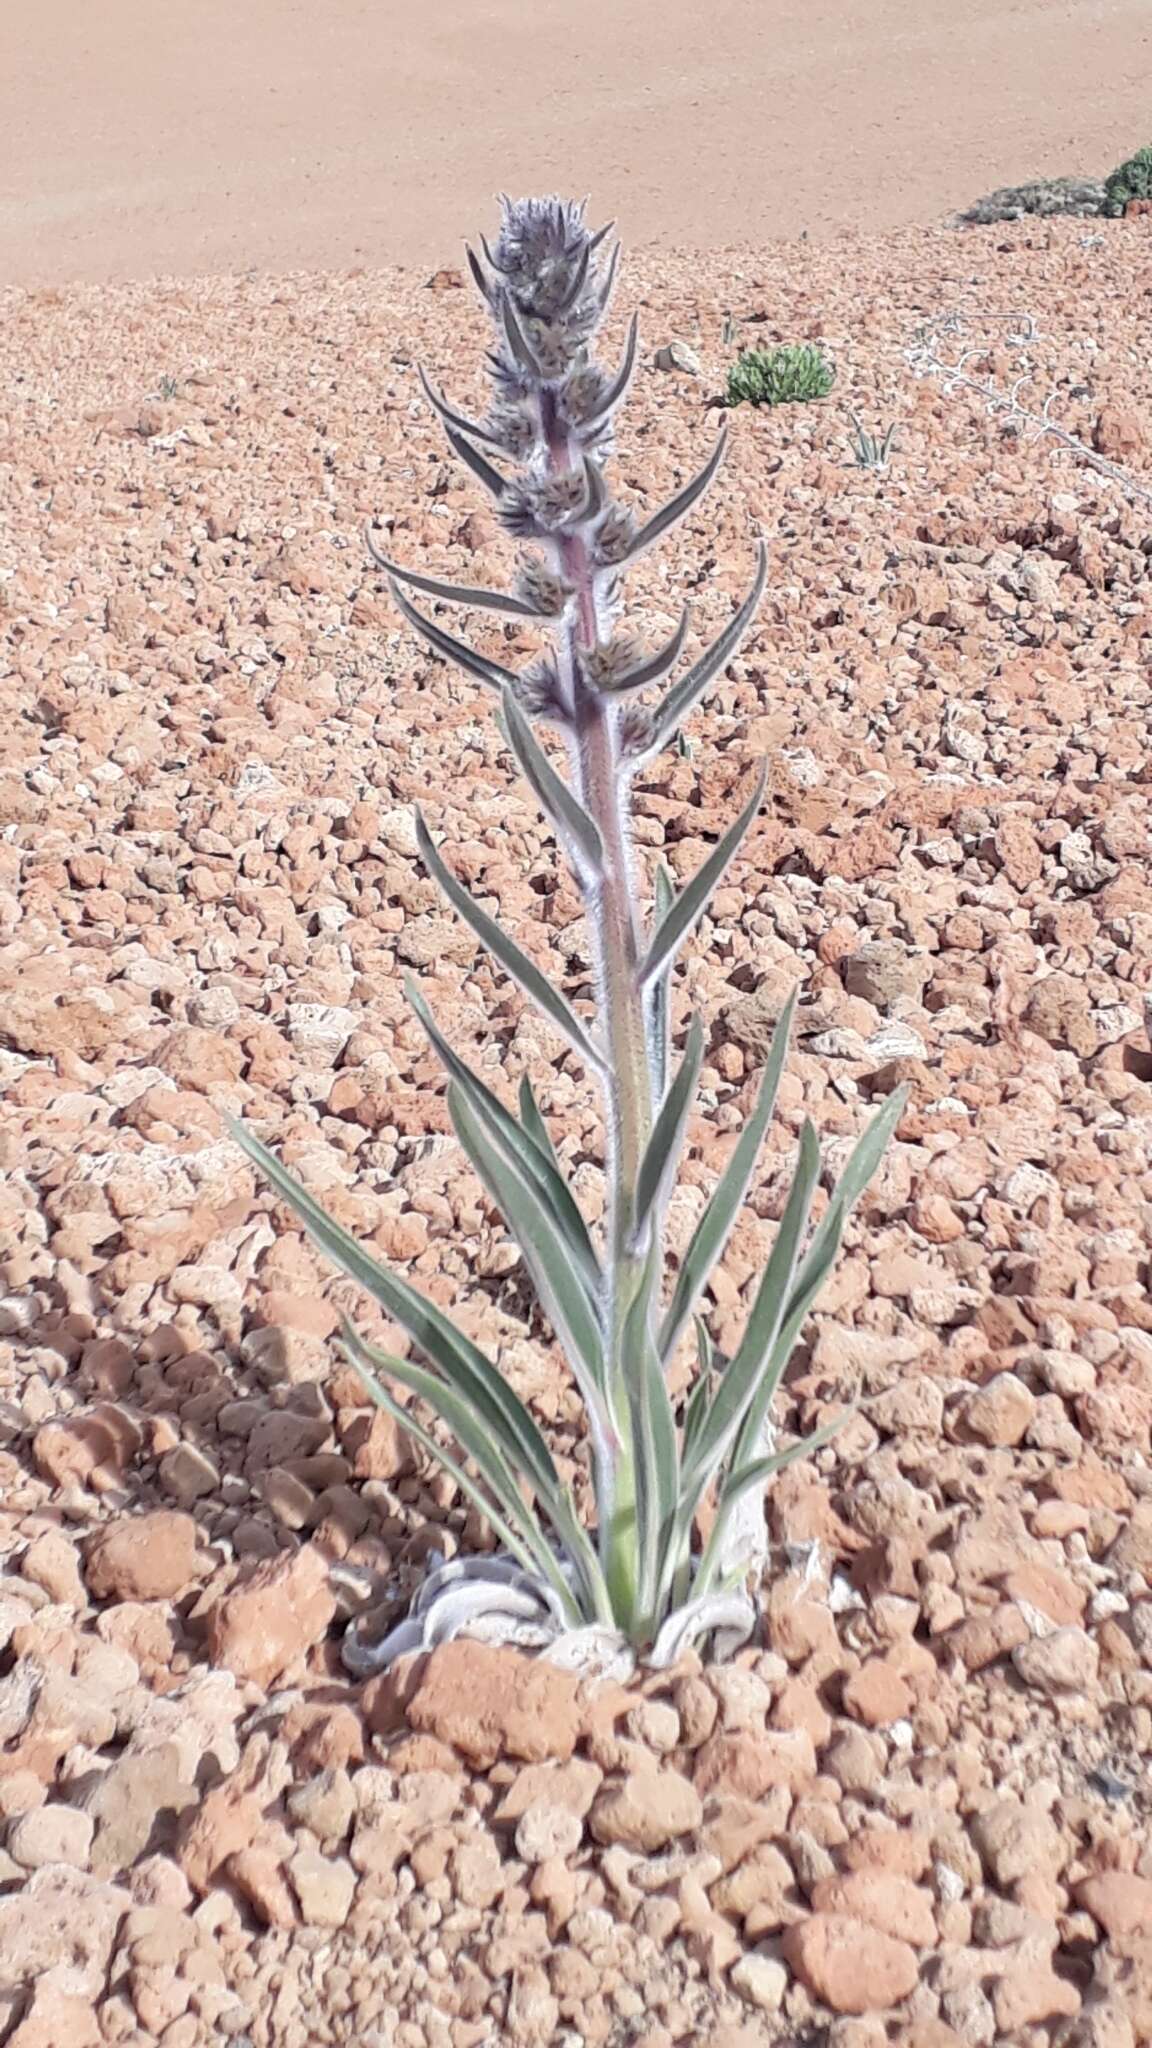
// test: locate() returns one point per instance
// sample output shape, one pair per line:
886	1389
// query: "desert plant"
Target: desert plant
871	451
1130	180
1043	198
793	375
639	1576
941	350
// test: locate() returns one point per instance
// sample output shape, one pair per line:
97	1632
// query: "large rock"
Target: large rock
60	1916
853	1968
150	1558
487	1702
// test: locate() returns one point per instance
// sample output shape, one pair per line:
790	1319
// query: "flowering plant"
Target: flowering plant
643	1576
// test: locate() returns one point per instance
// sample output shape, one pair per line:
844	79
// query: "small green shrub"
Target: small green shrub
793	375
1131	180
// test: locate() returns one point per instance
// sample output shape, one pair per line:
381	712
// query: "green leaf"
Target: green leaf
462	1363
696	1407
534	1125
662	1152
452	593
502	1505
712	1231
496	939
658	992
678	507
677	702
537	1161
821	1255
570	821
493	673
692	901
549	1260
752	1374
653	666
451	417
489	476
741	1481
737	1483
616	389
654	1446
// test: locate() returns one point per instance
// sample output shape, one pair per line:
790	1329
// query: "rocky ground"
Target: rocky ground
916	1811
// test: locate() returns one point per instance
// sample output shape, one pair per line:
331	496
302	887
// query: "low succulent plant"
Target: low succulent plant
792	375
642	1580
1130	180
871	451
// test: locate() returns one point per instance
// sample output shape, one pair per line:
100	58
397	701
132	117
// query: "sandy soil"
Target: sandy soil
139	139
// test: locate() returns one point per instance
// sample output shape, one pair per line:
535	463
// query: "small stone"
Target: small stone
324	1886
853	1968
882	1900
748	1764
1067	1661
326	1804
676	355
885	974
267	1623
999	1412
1014	1841
544	1831
877	1695
647	1811
152	1557
50	1562
53	1834
761	1979
129	1799
188	1474
1120	1901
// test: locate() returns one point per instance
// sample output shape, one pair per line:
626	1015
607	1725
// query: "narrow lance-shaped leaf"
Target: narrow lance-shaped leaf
820	1257
658	991
461	1362
692	901
479	464
652	668
453	593
611	398
523	970
452	418
496	1455
533	1123
662	1153
579	279
736	1489
491	672
549	1261
497	1498
563	809
539	1163
476	267
656	1456
518	342
677	508
675	706
710	1236
752	1373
